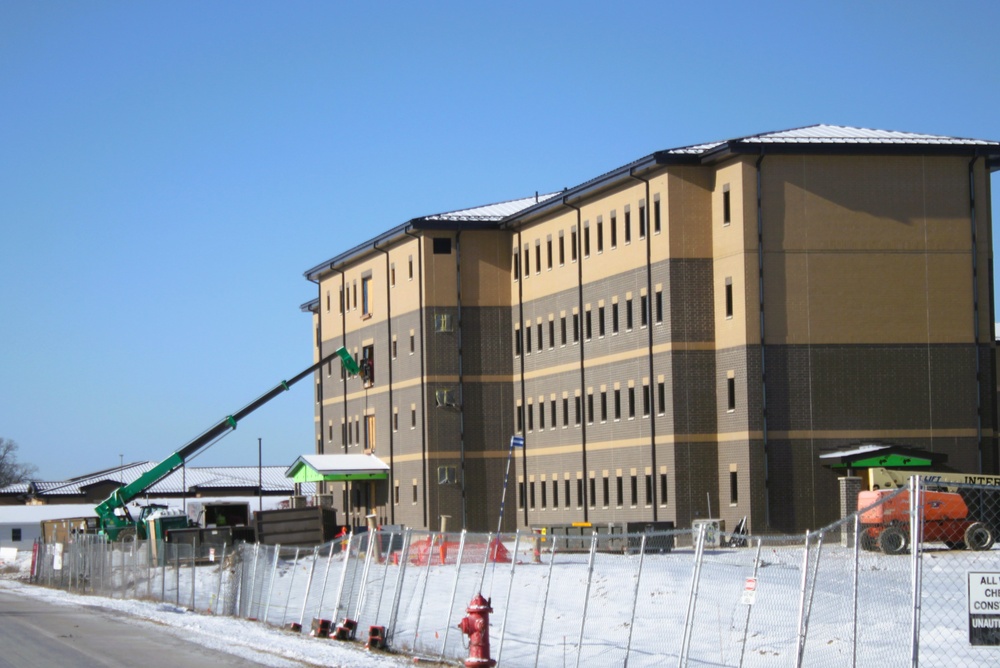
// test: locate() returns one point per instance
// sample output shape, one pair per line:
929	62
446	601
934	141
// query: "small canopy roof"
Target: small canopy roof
870	455
333	468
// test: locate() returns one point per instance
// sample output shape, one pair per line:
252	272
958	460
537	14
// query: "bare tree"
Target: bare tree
11	470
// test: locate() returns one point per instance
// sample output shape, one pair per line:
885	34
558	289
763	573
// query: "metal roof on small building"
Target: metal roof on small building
313	468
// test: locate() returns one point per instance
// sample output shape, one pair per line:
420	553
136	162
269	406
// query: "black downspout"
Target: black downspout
423	376
321	447
763	372
975	311
461	376
519	334
388	357
649	327
583	339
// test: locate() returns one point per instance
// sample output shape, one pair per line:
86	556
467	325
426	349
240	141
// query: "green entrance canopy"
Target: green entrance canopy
874	455
337	468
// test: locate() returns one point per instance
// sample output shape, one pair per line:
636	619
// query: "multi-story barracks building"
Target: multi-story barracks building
678	338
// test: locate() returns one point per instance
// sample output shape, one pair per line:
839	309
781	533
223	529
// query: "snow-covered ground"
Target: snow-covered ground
243	638
623	607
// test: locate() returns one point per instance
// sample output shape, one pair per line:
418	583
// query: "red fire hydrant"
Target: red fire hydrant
476	625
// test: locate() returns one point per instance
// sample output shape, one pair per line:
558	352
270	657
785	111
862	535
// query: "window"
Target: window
354	294
552	333
565	407
527	261
731	394
604	406
541	414
442	245
590	408
643	311
392	284
414	491
606	488
517	265
410	266
572	244
726	206
628	226
659	307
614	231
395	419
600	235
614	317
517	341
642	221
562	249
645	400
562	329
531	416
619	492
548	244
586	241
538	257
734	490
520	494
631	402
663	489
368	364
544	495
520	419
729	297
600	321
566	491
576	327
588	325
579	493
370	433
328	301
555	493
661	398
413	344
649	489
531	494
527	339
395	348
593	492
552	414
395	494
618	404
413	417
340	307
656	215
577	410
628	315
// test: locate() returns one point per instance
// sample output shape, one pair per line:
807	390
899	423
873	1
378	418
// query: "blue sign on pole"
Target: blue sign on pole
517	441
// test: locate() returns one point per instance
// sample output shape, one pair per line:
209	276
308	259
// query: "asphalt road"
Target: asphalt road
37	634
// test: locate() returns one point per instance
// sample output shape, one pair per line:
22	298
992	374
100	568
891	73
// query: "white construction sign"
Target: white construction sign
749	592
984	608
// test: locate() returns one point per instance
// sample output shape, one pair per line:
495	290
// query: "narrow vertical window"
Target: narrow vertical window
590	408
548	244
555	493
552	414
565	411
649	489
576	327
618	404
614	317
604	406
643	310
614	231
562	329
619	495
541	413
600	321
531	416
366	304
413	418
527	260
659	307
642	221
410	267
656	215
531	495
517	265
634	486
606	488
413	344
586	241
729	297
600	235
552	334
628	315
631	402
661	398
577	408
645	400
734	488
593	492
392	284
627	224
520	419
544	495
538	257
663	489
731	394
727	211
527	338
572	244
517	341
566	492
520	494
562	249
588	325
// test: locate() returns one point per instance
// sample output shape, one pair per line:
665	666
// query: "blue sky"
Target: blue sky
168	171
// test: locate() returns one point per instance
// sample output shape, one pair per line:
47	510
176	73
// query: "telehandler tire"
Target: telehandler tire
978	536
893	540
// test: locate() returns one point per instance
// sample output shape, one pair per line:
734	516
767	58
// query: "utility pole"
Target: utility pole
260	476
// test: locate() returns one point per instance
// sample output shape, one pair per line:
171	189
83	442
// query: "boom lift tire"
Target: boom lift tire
978	536
893	540
868	543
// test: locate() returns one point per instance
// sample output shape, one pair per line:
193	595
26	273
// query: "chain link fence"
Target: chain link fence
851	594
